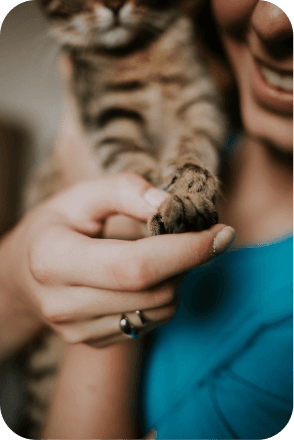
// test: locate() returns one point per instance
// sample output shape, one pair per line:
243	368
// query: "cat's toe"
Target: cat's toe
156	225
182	213
178	228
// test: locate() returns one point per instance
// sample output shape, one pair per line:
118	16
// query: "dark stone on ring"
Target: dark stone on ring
127	328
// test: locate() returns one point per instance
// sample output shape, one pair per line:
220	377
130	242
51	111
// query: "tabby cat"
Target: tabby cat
145	101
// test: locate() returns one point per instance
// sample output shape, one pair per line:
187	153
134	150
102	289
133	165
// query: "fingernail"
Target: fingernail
155	196
223	240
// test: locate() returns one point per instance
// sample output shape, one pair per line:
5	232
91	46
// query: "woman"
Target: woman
222	367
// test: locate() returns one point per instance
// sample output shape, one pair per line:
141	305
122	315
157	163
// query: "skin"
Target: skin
257	203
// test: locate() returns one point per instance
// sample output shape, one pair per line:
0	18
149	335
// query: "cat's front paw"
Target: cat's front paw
191	205
183	213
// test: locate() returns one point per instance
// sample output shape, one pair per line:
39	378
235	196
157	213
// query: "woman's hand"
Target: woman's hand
81	285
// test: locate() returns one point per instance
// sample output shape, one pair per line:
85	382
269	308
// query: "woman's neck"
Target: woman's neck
258	193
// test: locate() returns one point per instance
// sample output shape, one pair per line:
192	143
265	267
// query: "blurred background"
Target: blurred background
31	93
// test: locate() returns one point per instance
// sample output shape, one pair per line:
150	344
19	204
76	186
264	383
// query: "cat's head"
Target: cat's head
107	24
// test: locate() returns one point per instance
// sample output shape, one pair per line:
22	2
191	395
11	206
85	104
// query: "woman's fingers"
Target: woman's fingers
66	257
108	327
121	337
72	303
89	202
89	330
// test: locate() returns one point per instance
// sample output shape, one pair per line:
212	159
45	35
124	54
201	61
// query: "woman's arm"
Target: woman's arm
96	393
18	323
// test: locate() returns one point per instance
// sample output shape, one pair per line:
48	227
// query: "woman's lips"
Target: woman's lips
281	81
271	88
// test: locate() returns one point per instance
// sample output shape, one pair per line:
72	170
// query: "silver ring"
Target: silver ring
143	320
129	329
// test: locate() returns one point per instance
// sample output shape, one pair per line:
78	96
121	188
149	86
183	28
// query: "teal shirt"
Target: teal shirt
222	367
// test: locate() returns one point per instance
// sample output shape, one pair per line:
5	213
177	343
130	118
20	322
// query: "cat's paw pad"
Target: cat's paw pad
183	213
191	205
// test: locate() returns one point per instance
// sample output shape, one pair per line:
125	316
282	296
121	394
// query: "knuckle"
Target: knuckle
133	274
38	268
40	264
54	309
45	310
140	274
49	311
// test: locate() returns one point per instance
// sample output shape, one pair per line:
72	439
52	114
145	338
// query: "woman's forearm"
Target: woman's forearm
17	325
96	393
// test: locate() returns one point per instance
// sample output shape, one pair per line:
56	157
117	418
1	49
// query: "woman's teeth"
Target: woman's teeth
281	81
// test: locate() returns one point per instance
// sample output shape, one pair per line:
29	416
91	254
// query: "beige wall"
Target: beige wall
30	91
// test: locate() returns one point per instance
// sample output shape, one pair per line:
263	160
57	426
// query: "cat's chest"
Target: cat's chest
152	83
155	75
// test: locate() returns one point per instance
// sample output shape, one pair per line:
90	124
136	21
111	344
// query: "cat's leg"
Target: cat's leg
123	147
118	150
191	206
189	169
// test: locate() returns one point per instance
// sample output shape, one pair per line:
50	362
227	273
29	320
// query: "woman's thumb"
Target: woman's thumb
89	202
